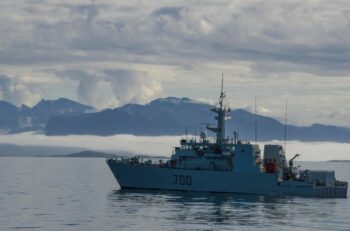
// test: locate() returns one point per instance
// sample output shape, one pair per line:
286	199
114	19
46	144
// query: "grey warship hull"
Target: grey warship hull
141	176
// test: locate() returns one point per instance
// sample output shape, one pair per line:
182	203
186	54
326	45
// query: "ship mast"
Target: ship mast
221	112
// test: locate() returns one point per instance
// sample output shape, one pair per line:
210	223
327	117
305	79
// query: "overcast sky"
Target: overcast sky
107	53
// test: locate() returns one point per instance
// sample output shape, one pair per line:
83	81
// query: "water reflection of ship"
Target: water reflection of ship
202	207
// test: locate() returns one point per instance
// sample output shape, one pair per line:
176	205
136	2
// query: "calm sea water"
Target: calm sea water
81	194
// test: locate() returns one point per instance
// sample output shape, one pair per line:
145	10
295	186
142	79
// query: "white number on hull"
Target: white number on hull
182	180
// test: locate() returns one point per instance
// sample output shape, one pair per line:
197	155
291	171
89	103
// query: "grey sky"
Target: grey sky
108	53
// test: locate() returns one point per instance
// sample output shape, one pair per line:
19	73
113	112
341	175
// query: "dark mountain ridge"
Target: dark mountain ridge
171	116
165	116
19	119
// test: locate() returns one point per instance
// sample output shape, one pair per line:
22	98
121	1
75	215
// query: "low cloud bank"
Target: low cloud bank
160	145
163	145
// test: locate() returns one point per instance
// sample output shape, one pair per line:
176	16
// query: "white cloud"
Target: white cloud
15	91
269	49
263	110
113	87
306	33
131	86
162	145
206	101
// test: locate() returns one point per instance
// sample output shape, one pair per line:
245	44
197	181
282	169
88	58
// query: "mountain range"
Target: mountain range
20	119
164	116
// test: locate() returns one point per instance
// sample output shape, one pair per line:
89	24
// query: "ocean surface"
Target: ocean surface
47	193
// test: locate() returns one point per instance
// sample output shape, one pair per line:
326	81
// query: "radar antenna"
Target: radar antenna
222	114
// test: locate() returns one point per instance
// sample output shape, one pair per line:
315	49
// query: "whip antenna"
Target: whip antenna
256	123
285	126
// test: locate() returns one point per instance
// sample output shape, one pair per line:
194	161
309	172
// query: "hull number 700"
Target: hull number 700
182	179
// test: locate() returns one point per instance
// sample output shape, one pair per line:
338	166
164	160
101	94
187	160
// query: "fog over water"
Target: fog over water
163	145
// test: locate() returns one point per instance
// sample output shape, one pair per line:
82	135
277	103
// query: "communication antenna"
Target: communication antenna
192	138
195	134
235	136
222	82
285	126
256	124
186	132
222	94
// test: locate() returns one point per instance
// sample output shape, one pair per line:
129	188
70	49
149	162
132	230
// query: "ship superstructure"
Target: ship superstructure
222	164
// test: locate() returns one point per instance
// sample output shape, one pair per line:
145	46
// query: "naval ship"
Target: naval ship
226	165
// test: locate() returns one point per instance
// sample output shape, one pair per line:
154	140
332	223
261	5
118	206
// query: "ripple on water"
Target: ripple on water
71	224
86	199
26	227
